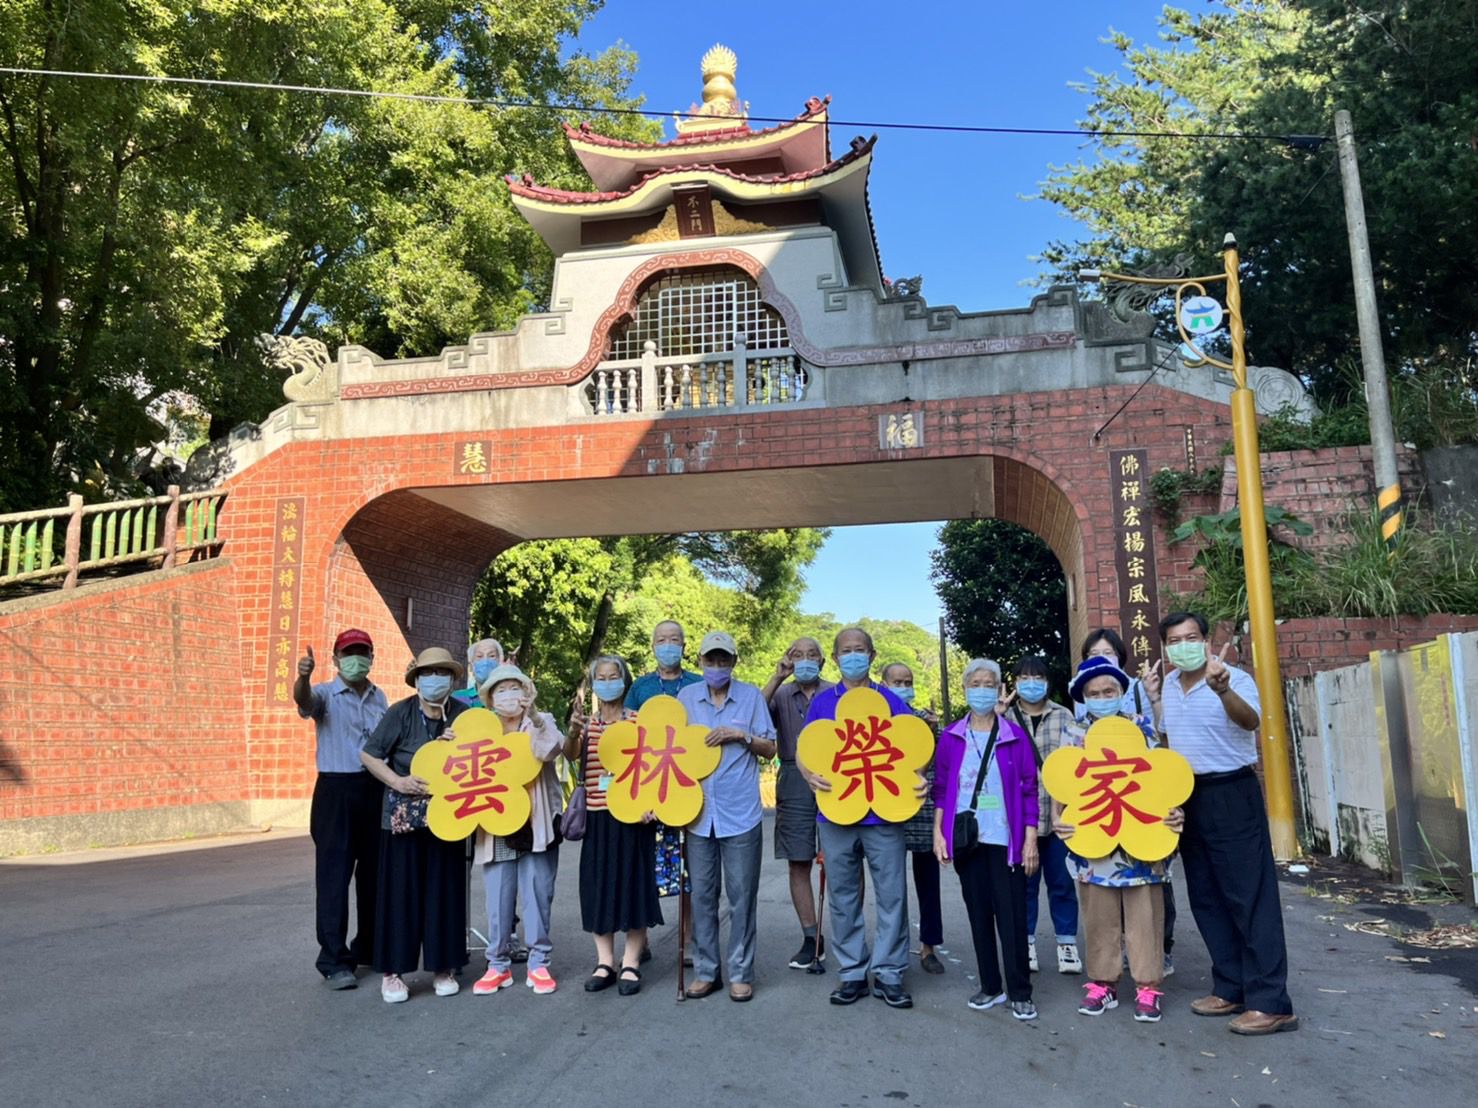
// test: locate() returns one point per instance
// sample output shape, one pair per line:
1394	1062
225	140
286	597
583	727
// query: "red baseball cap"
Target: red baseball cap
353	637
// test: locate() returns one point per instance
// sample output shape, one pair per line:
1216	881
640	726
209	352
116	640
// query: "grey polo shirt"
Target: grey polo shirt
731	793
788	708
1198	726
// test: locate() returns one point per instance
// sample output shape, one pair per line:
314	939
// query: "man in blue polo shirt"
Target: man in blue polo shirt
345	816
669	678
1210	713
844	847
724	841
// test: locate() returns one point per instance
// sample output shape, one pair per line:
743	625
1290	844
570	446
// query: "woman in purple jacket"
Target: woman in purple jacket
1002	804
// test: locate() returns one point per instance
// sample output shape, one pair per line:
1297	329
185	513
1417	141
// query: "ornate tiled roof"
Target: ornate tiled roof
525	187
584	135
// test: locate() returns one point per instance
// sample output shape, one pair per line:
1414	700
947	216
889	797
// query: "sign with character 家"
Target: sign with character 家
479	778
656	762
1116	791
871	757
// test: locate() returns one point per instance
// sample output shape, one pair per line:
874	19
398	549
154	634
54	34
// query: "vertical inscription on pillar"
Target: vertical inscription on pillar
1134	556
286	588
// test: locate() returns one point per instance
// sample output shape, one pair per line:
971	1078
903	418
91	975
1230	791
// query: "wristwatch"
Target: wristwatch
748	739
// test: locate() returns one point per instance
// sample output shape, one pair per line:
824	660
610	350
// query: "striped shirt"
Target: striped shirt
1197	724
595	796
342	720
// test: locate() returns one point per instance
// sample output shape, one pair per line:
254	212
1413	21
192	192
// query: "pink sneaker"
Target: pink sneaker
492	981
1147	1004
1099	997
542	981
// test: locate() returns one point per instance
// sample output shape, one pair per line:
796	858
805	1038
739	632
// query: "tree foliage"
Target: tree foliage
1282	67
150	232
1003	593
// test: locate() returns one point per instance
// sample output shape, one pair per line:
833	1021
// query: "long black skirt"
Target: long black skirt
618	877
422	903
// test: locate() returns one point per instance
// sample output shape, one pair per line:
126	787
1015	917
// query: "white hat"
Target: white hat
718	640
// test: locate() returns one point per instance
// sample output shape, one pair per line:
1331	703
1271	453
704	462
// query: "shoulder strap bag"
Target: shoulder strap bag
967	831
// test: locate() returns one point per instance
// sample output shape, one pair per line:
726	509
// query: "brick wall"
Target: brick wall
1308	646
123	697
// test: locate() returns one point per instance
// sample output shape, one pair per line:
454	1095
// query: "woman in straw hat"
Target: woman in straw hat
422	909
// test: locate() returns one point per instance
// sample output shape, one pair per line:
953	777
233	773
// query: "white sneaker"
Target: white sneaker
446	985
1067	958
1031	956
393	989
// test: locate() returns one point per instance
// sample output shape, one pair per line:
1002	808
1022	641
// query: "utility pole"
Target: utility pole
944	712
1372	355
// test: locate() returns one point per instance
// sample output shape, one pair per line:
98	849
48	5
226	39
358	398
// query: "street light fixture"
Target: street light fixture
1276	774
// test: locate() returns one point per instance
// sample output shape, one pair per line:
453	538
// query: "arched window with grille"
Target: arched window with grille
713	341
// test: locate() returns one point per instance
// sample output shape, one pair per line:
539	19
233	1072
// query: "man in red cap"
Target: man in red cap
345	817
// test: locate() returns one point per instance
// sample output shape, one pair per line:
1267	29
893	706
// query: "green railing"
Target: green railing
160	529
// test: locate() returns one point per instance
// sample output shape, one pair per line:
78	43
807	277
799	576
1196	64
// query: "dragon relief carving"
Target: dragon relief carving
313	377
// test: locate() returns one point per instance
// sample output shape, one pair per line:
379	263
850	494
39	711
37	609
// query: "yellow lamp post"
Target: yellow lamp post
1276	774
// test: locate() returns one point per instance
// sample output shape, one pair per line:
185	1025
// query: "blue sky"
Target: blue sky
950	207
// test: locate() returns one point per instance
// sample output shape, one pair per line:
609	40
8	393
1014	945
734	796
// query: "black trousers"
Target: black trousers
1169	916
1232	885
926	890
995	901
344	821
422	916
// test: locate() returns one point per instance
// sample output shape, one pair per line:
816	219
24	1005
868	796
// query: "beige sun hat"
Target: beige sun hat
434	657
508	672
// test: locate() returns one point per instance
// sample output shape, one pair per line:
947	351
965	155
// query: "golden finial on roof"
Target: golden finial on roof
721	107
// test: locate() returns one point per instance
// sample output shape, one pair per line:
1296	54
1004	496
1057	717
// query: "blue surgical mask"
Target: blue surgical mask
903	693
806	671
611	690
982	699
1103	706
1032	689
434	687
668	654
482	667
854	666
718	676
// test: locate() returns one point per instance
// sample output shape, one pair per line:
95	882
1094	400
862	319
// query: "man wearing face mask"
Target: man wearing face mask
1211	713
422	909
882	844
483	656
725	841
918	832
669	678
345	815
1047	724
795	803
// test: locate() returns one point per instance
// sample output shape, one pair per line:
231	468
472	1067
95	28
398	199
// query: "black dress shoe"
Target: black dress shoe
629	983
849	992
598	981
893	996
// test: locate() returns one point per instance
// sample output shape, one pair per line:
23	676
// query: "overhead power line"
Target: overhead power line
1297	141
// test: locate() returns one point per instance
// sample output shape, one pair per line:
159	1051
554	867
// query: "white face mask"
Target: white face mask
508	702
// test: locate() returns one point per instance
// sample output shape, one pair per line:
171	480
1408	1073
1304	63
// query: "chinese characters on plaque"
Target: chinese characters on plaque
900	431
694	207
285	587
472	459
478	779
1134	556
655	763
871	757
1116	791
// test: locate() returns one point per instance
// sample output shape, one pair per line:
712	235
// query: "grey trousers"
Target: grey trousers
528	878
734	864
883	845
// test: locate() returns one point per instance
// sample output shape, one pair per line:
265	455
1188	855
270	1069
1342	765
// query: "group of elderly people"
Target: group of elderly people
984	813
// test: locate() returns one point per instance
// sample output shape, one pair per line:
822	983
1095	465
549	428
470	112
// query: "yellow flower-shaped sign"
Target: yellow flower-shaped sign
1116	791
871	757
655	762
479	779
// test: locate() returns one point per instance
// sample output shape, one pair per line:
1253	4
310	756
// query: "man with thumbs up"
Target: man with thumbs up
1211	713
345	817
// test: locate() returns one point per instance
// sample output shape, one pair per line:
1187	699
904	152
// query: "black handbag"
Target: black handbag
967	831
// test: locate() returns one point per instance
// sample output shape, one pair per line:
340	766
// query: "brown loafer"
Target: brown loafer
1215	1006
699	989
1262	1023
741	992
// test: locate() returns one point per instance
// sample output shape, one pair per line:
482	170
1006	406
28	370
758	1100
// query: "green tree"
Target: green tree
1003	593
1282	67
151	232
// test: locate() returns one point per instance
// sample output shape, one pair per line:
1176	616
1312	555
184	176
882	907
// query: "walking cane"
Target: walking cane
816	966
682	913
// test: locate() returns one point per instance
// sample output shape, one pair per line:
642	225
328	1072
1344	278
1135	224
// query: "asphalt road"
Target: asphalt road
186	977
